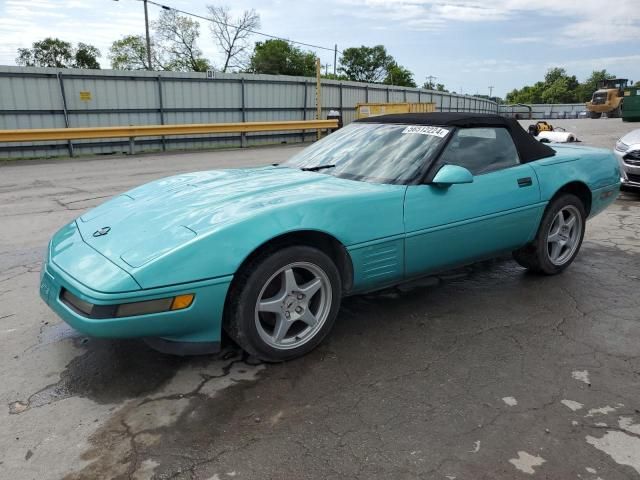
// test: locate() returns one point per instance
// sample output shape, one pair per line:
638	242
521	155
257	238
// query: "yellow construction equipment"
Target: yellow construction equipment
608	98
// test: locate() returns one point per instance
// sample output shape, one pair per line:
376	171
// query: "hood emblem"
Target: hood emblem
102	231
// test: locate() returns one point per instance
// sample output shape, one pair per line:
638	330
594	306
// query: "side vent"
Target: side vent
380	261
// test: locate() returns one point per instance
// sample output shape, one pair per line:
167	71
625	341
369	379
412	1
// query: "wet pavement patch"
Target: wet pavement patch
170	432
109	371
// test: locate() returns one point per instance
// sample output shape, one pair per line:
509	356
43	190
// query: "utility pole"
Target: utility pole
146	27
490	91
430	79
318	96
335	57
326	68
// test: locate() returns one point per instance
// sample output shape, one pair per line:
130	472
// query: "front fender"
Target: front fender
352	219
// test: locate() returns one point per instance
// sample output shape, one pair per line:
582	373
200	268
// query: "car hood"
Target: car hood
632	137
151	220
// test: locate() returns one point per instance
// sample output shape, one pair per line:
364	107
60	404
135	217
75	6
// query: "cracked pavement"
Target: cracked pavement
485	372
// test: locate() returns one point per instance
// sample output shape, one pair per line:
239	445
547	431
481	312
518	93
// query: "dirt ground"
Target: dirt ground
485	372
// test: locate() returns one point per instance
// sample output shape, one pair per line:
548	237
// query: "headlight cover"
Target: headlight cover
132	309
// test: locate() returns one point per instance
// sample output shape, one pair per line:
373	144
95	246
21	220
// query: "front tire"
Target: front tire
558	239
284	303
595	114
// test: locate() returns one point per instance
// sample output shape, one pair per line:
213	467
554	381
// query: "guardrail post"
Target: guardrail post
304	108
65	111
243	135
161	102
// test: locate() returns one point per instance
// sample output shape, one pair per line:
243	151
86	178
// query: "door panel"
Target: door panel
447	226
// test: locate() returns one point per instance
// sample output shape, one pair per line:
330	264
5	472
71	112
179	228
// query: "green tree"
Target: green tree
130	53
557	91
334	76
399	75
53	52
175	38
366	64
279	57
557	87
86	56
430	85
50	52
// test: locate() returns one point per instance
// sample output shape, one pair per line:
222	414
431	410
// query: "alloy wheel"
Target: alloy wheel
293	305
564	235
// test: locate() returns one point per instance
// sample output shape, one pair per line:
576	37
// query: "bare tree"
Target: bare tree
232	34
176	37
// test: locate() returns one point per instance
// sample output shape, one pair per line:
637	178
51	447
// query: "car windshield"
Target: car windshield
381	153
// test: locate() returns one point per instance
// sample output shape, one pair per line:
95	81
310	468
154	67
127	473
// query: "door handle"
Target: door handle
525	182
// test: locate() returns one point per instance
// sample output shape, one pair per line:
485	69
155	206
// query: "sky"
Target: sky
468	45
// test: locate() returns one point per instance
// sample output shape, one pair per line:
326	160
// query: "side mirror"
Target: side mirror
451	175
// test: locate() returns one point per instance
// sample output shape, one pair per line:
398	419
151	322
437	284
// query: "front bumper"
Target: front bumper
629	174
200	322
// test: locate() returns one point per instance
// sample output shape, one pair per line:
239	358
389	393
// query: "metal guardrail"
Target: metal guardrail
133	131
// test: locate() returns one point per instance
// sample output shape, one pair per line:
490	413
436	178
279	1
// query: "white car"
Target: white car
627	150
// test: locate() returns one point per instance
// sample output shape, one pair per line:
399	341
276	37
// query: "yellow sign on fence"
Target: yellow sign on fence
85	96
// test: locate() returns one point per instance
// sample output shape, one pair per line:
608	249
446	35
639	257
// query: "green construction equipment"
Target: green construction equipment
631	104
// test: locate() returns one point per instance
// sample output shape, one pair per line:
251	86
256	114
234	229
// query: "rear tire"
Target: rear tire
284	303
595	115
558	239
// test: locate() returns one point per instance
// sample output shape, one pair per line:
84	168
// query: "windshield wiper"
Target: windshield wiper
316	168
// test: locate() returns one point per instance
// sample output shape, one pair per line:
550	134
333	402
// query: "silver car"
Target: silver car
627	150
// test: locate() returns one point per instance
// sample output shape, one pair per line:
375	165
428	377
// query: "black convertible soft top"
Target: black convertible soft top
529	149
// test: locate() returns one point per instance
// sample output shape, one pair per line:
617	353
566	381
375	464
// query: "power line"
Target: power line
255	32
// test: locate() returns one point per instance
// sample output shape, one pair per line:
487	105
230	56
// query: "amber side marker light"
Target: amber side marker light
182	301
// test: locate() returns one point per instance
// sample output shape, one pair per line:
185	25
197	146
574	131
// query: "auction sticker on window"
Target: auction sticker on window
425	130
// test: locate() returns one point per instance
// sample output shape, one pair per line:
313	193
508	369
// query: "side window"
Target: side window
481	150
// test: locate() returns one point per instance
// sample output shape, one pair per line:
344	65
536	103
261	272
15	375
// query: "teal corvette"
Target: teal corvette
267	253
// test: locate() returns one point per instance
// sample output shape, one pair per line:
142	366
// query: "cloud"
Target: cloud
494	65
624	60
584	20
531	39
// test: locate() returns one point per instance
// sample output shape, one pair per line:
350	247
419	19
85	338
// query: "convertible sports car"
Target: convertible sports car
267	253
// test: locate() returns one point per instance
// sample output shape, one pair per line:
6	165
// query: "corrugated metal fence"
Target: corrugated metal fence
540	110
52	98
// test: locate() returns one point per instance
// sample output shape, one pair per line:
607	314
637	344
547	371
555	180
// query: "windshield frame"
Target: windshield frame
420	174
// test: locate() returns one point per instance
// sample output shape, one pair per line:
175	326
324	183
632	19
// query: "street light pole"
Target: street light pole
146	26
